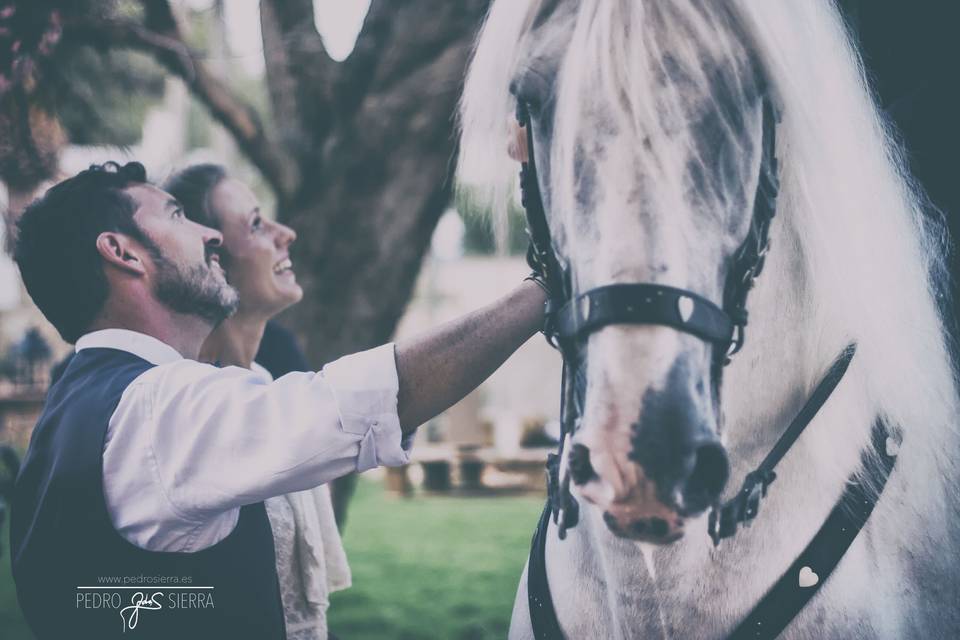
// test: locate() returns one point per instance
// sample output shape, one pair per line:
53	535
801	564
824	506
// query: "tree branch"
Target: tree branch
281	83
238	118
107	34
398	38
159	17
299	75
358	70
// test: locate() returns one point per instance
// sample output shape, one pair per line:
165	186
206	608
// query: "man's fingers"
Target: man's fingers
516	141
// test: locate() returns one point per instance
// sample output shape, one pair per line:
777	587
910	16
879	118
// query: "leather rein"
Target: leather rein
569	319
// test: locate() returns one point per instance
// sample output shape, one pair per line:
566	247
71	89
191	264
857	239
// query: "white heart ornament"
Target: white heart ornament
685	307
584	309
808	578
893	447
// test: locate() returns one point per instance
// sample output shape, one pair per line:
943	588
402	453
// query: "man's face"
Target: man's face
183	261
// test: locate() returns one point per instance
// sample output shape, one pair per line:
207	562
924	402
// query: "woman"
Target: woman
311	562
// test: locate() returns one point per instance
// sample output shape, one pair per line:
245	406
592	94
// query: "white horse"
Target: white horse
646	117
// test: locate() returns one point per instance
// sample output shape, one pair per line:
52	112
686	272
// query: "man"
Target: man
139	443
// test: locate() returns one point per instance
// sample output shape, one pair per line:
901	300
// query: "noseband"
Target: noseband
570	319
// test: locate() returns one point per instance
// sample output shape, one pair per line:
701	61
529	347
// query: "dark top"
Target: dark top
279	352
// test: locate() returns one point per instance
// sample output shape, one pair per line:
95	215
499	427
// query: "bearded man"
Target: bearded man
139	506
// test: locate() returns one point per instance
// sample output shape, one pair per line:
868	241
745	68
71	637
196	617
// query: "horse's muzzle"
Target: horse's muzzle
689	469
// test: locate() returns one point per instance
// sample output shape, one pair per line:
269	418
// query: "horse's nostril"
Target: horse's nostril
659	527
610	521
581	472
707	479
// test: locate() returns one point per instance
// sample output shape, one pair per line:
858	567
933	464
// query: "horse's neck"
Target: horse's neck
690	581
790	346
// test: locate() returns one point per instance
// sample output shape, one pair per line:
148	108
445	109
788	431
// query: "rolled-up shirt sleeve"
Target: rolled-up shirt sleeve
222	438
365	389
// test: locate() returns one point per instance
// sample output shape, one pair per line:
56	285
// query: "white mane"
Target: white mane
871	262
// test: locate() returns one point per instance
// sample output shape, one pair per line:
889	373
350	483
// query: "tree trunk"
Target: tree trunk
378	173
375	141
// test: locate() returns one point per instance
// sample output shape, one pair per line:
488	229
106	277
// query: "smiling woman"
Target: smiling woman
255	251
309	555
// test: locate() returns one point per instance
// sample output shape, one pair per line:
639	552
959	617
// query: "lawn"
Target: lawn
423	568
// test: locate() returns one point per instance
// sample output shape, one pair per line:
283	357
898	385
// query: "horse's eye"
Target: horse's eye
533	88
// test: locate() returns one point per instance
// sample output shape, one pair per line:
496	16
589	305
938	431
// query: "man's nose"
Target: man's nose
517	141
212	237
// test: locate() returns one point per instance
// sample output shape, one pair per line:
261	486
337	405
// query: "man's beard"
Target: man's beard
194	290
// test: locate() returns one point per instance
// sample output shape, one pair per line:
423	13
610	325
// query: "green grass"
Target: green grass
433	567
423	568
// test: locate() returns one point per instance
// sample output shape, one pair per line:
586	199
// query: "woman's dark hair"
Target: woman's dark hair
192	187
56	243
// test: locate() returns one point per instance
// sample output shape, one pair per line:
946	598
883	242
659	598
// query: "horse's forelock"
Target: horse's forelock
651	67
484	169
627	42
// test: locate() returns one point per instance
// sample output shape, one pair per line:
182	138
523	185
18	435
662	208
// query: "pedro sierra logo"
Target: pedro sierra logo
130	601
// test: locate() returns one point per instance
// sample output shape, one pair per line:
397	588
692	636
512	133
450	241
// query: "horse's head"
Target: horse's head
647	128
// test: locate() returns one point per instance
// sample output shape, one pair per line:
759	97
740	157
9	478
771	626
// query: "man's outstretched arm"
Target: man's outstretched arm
439	368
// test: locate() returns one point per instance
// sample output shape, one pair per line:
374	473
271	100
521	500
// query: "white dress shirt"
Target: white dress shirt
190	443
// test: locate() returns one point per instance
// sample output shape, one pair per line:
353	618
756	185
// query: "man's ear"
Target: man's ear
120	251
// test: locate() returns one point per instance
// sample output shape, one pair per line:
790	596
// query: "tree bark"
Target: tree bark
374	187
375	140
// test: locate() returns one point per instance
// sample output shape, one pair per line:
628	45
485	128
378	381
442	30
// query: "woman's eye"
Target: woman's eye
257	222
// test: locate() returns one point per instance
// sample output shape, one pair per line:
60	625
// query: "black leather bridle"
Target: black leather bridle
570	319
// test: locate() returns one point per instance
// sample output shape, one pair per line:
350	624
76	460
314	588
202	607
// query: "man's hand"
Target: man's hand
538	273
516	140
441	367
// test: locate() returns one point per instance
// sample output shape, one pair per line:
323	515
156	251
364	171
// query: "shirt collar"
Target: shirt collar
139	344
261	371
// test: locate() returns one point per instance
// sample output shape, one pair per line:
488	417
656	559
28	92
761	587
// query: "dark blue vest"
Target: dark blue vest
62	538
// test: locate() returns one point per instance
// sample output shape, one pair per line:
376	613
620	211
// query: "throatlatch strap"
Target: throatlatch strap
812	567
643	304
543	617
745	505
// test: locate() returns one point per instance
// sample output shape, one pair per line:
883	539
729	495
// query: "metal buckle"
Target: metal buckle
736	342
742	508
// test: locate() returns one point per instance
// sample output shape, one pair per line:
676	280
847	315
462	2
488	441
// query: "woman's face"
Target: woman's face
256	251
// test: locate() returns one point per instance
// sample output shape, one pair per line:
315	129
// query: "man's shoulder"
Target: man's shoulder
194	377
89	369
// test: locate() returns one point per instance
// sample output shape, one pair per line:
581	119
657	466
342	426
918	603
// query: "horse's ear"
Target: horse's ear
546	10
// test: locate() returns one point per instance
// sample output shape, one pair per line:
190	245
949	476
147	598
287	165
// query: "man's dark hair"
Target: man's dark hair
56	243
192	187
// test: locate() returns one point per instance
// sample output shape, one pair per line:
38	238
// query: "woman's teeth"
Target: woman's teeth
283	265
